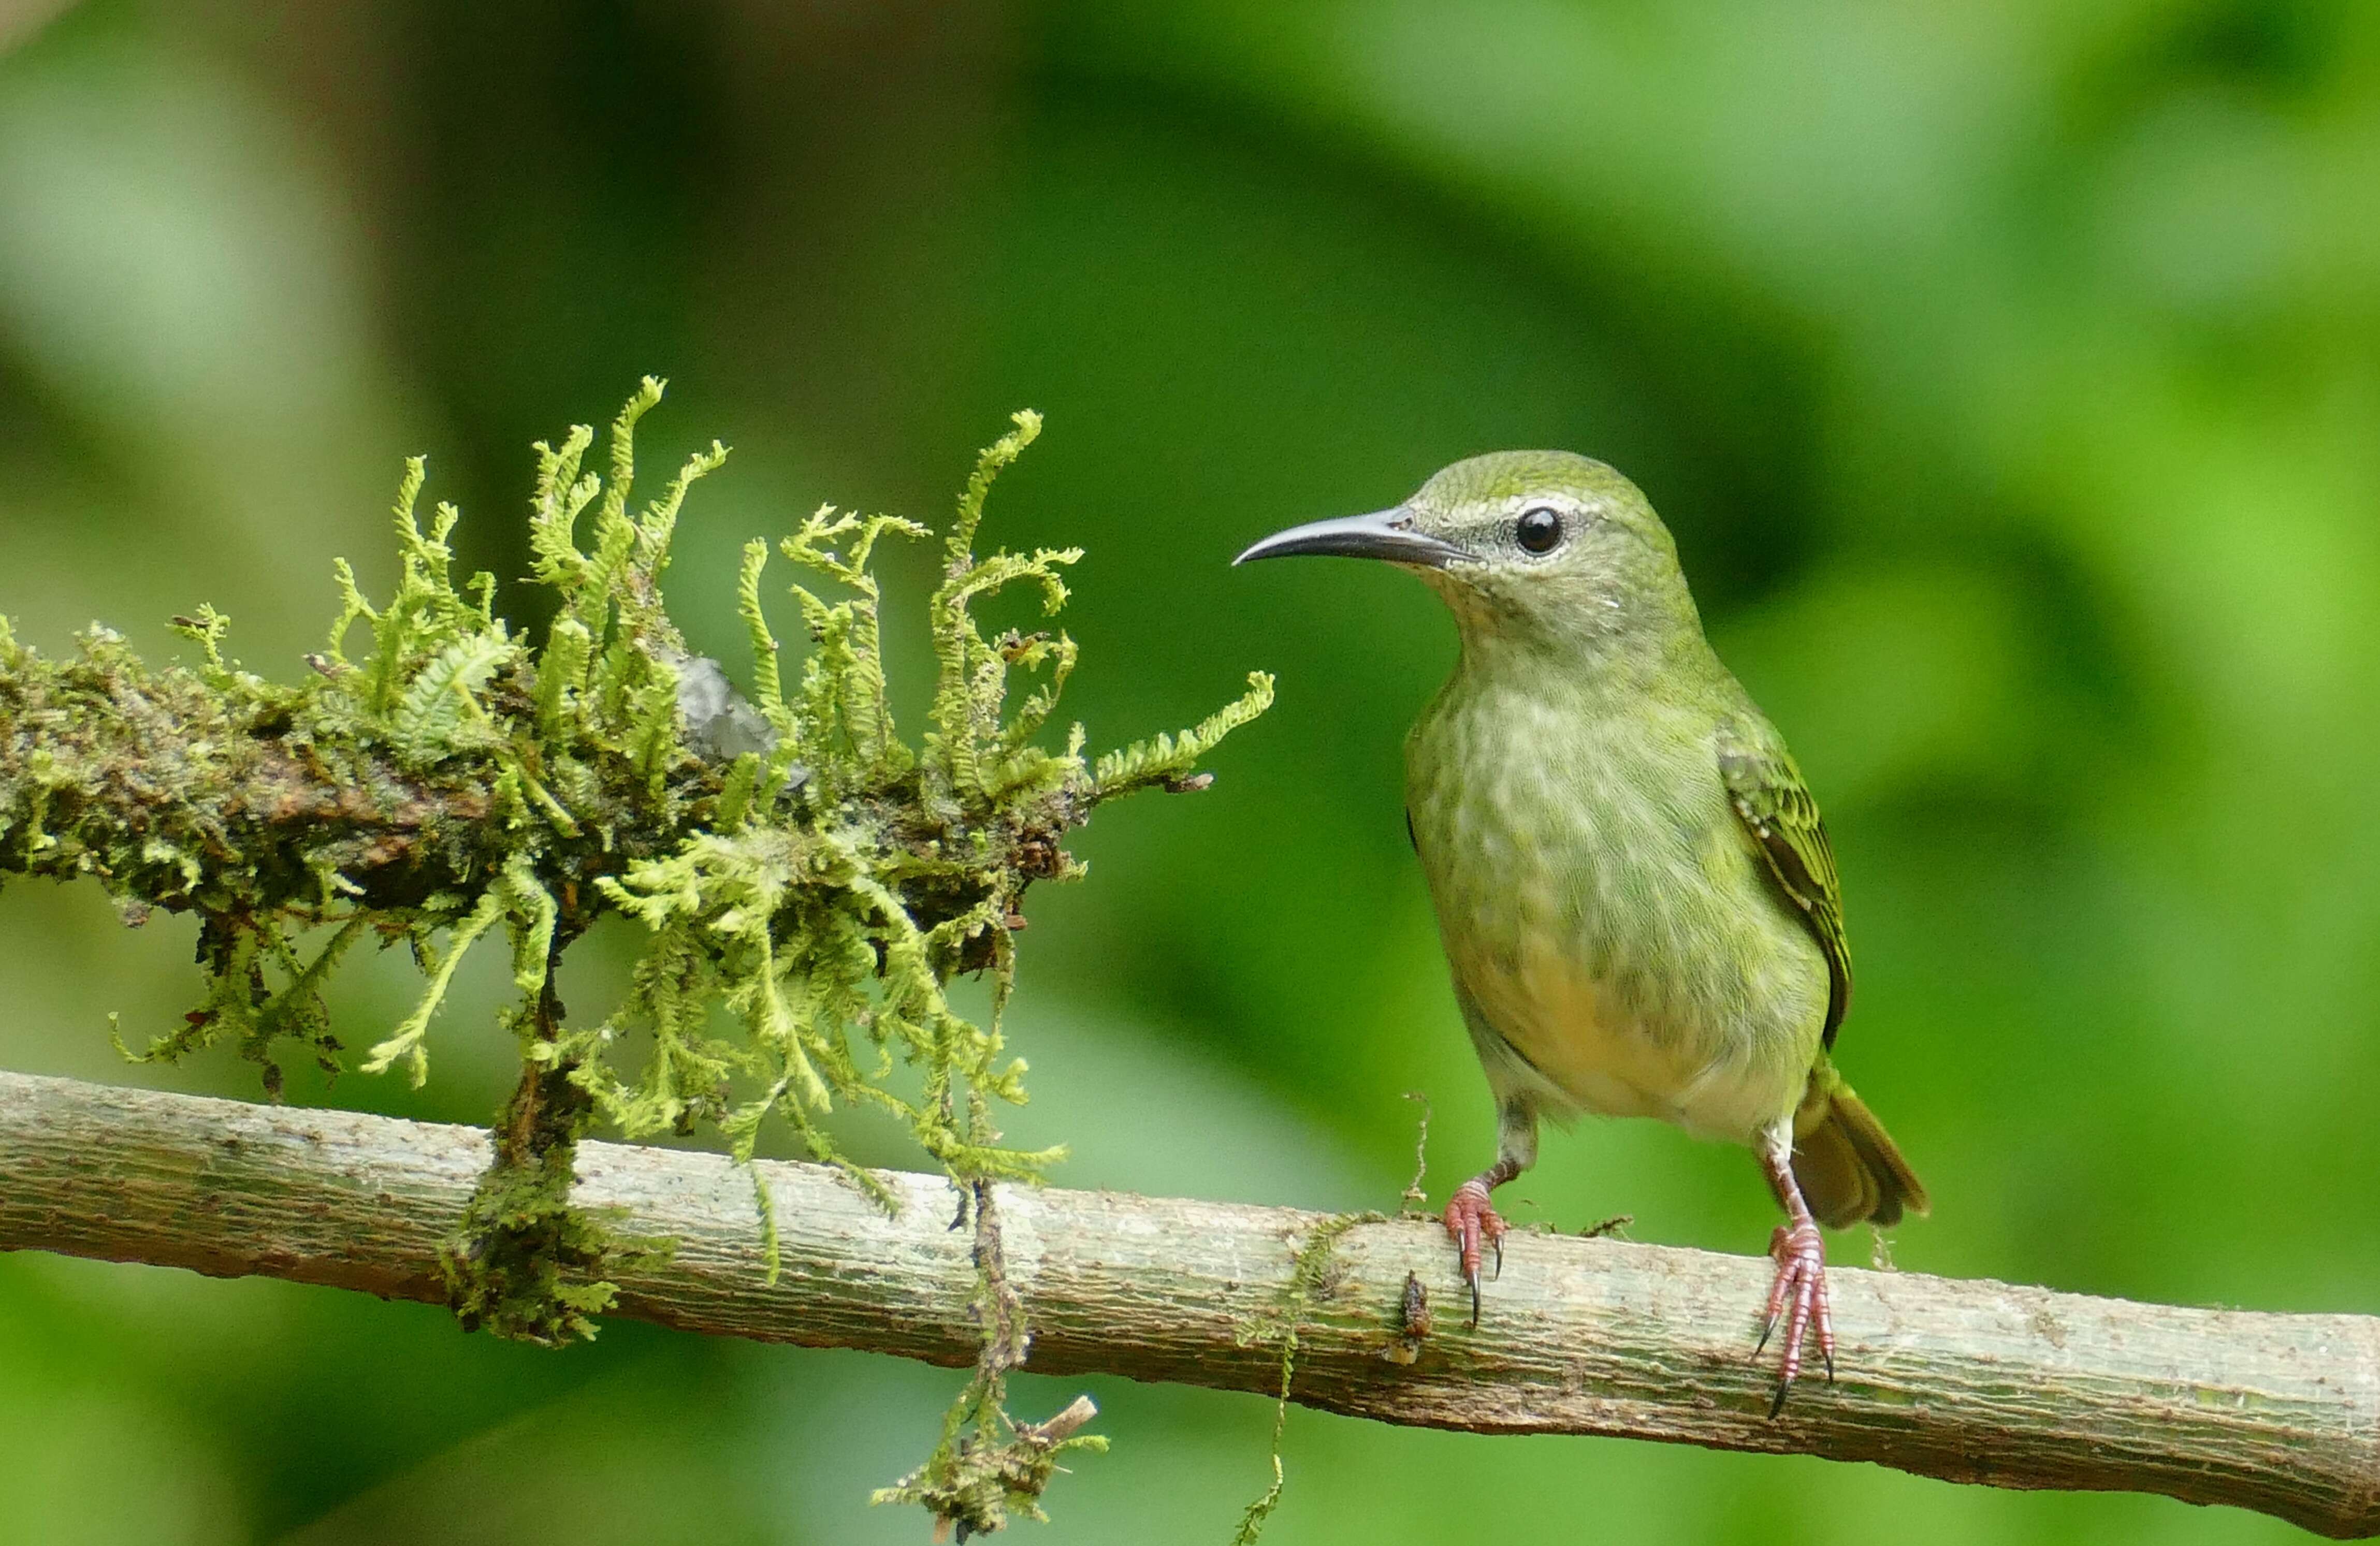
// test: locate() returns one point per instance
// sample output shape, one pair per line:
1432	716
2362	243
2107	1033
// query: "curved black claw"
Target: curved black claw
1798	1296
1473	1222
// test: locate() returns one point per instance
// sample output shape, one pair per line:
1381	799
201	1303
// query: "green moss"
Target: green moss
987	1464
1313	1275
524	1263
795	859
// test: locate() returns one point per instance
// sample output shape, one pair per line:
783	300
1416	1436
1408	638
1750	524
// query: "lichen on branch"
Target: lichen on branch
792	858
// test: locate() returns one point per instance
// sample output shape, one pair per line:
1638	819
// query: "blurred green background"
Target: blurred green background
2011	375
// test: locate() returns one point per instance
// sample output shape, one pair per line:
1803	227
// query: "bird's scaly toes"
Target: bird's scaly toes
1799	1294
1475	1224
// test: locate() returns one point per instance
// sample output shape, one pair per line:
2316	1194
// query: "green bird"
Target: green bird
1632	885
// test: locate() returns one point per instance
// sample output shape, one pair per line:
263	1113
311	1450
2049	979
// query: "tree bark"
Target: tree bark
1974	1381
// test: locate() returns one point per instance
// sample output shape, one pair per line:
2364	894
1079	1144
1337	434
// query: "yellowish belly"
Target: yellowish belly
1598	1057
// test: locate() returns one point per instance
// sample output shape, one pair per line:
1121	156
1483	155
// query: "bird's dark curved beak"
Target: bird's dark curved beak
1386	534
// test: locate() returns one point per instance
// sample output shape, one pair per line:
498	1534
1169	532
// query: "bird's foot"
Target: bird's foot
1475	1224
1799	1294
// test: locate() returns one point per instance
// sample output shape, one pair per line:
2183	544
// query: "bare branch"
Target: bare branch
1968	1381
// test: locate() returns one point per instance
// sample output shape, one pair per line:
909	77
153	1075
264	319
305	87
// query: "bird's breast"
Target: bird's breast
1604	914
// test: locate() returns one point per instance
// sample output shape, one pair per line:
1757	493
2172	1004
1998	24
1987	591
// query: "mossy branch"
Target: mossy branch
792	858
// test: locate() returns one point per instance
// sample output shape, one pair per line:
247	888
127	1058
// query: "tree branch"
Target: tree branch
1968	1381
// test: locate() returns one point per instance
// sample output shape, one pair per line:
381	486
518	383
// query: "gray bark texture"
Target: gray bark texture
1974	1381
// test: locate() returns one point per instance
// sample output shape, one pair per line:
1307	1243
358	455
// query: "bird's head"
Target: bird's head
1522	545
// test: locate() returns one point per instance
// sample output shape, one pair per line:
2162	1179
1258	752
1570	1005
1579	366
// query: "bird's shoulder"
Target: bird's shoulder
1762	778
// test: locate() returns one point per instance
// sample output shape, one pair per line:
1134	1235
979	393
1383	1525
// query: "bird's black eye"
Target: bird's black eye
1538	529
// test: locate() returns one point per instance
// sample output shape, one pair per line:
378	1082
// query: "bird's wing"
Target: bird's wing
1777	808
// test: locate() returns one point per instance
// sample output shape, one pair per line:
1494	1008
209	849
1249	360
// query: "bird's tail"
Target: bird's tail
1846	1164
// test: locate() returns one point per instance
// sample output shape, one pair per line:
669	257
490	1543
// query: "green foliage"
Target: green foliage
793	861
2007	373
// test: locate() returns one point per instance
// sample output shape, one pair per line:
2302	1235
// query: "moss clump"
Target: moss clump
794	858
988	1464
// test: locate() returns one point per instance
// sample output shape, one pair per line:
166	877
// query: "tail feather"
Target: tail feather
1846	1164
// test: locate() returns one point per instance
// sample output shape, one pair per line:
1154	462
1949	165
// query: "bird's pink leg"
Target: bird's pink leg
1474	1223
1799	1290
